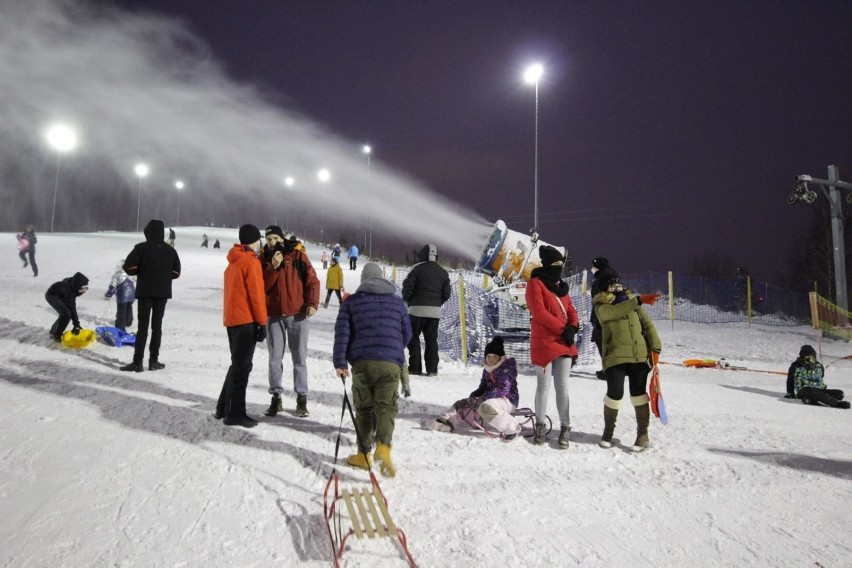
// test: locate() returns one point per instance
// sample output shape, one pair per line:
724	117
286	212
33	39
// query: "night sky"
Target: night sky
666	129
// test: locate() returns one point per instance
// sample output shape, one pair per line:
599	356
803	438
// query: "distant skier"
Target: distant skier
26	247
204	240
324	258
805	381
353	256
171	237
62	297
333	282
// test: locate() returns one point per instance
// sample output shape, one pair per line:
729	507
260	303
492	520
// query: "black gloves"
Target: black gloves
76	329
259	332
568	334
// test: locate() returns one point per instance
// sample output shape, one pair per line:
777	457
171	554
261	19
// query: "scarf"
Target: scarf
490	368
550	277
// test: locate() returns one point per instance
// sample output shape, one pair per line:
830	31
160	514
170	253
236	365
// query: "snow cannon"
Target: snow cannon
80	341
509	257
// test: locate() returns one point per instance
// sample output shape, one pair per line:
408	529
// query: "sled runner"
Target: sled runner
366	506
115	337
524	415
80	341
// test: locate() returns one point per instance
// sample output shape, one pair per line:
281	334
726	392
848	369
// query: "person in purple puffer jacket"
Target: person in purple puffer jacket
371	332
496	397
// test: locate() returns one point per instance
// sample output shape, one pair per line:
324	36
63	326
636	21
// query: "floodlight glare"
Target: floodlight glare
179	184
366	149
533	73
61	138
141	170
289	181
324	175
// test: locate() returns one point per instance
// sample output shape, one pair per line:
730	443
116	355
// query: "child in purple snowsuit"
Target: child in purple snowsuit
497	395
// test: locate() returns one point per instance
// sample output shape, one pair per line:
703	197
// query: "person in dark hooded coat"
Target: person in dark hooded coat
155	264
62	297
425	290
602	272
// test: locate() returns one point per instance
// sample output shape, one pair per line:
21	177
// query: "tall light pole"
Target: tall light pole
62	139
288	183
324	176
179	186
141	171
368	150
532	76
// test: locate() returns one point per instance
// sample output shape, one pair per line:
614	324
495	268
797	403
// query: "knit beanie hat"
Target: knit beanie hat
807	350
600	263
495	347
274	230
249	234
371	270
549	255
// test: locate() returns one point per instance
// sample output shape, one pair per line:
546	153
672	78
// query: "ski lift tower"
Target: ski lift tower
833	189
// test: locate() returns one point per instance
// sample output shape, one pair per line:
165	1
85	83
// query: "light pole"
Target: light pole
832	190
288	183
532	76
141	171
324	176
368	151
179	186
62	139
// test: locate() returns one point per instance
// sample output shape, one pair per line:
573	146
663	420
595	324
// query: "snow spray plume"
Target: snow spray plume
142	87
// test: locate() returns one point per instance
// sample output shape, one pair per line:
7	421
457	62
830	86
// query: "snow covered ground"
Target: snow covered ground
104	468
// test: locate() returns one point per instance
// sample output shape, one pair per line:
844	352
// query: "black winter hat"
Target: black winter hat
600	263
495	347
807	350
274	230
249	234
549	255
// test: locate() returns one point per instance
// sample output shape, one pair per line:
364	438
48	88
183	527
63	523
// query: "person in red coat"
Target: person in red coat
552	349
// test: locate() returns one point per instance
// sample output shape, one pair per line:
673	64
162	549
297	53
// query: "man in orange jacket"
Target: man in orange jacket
244	316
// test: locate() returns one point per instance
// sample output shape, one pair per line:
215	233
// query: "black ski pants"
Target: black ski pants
151	310
232	400
429	328
65	314
828	397
124	316
29	253
637	375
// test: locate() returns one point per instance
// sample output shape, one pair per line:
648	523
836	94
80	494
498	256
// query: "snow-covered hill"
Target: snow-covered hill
104	468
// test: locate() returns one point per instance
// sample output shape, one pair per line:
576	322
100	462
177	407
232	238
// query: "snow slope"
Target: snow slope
104	468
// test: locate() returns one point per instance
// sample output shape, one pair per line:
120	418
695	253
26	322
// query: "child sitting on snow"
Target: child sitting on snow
805	381
496	397
122	284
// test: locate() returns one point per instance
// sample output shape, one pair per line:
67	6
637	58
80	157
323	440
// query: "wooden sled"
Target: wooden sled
368	513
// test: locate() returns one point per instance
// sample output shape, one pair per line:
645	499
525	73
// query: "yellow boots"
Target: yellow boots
383	458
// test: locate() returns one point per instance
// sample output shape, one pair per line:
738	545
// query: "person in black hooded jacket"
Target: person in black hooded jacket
425	290
62	297
602	273
155	264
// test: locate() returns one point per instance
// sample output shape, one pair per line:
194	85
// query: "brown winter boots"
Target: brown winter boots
610	415
641	404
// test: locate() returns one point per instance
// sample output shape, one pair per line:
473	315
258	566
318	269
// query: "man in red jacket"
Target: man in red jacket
244	315
292	297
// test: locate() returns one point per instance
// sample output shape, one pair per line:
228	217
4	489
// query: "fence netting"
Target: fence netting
695	300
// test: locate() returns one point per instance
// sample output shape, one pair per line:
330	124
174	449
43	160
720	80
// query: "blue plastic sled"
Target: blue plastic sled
115	337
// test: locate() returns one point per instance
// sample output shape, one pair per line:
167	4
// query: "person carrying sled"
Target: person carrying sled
631	348
805	381
554	324
292	298
244	316
27	248
333	282
155	264
122	287
497	395
62	297
370	333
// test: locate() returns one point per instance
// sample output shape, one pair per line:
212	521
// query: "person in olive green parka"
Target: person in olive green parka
630	348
